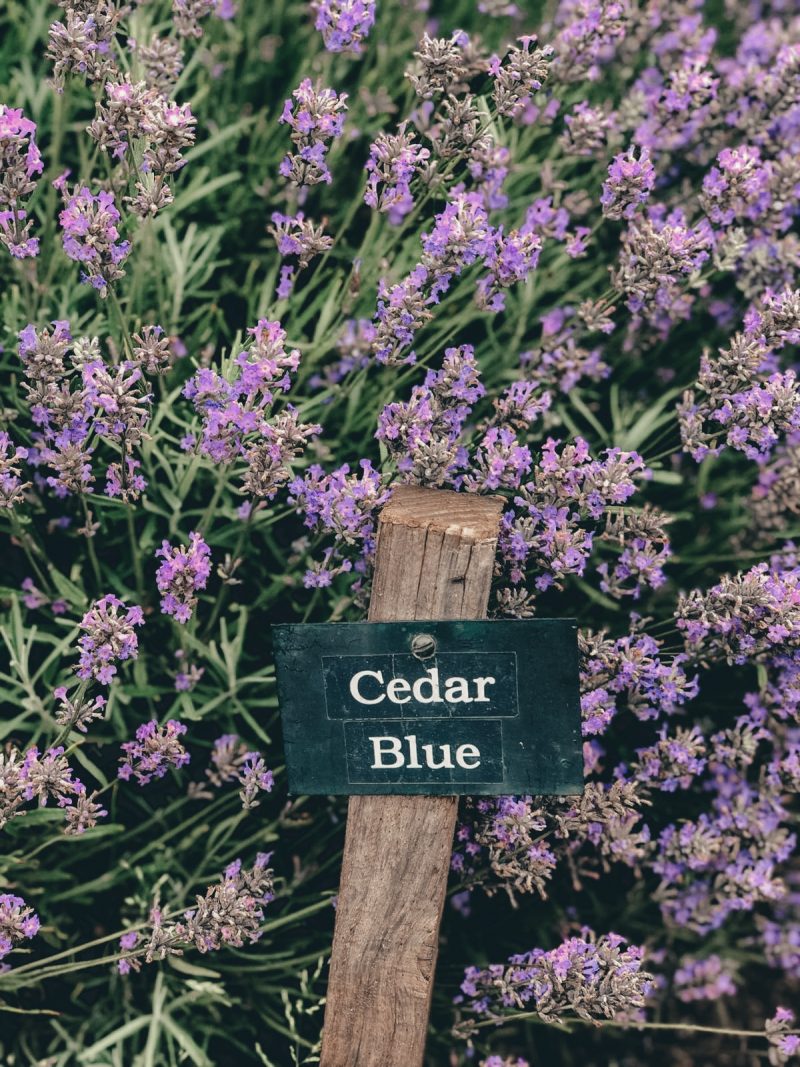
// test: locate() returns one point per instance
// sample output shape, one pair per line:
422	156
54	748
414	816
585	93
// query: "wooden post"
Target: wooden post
435	555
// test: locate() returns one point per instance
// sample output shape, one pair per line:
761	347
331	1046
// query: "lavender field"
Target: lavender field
261	262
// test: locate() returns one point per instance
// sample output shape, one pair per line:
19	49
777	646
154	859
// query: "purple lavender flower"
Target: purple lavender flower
48	776
183	572
521	73
297	238
591	30
344	504
91	237
316	117
155	750
109	637
394	160
12	487
18	922
592	977
422	434
509	259
629	184
783	1045
743	616
344	24
255	778
20	163
705	979
82	44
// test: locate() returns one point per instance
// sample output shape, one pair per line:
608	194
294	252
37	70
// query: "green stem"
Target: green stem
87	522
136	558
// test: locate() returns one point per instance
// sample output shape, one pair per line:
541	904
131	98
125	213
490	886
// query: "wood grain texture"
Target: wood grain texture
435	555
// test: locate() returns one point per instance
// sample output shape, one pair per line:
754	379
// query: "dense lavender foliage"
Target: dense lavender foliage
259	263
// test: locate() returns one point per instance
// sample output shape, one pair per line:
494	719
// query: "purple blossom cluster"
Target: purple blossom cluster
76	399
20	164
91	236
741	400
155	749
240	419
344	24
228	914
18	922
181	574
592	977
233	761
744	616
344	503
423	432
299	240
629	184
394	161
547	527
35	777
109	637
315	117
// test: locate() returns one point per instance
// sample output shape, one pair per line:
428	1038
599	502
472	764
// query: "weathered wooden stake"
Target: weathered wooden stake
435	555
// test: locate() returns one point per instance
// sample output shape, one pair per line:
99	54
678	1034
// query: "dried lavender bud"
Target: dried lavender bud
82	814
151	350
162	60
521	73
12	487
227	757
441	67
78	713
11	785
188	14
43	352
82	44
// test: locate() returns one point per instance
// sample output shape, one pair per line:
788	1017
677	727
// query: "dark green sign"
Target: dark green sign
431	707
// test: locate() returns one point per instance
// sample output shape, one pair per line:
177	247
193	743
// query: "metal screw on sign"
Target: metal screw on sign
423	646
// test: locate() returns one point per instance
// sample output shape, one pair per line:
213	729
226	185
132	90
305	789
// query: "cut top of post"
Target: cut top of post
473	517
435	555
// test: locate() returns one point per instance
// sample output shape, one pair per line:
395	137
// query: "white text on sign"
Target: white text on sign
425	690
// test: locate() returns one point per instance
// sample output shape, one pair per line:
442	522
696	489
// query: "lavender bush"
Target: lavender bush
262	262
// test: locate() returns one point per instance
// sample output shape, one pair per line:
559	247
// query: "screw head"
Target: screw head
423	646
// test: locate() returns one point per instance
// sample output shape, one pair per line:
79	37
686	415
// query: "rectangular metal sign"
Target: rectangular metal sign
433	708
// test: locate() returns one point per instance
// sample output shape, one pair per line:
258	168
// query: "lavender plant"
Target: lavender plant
257	267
